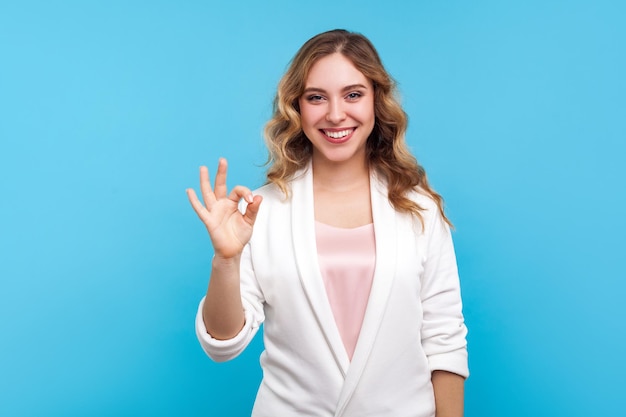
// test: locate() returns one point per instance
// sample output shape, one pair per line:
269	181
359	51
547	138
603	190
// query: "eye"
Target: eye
314	98
355	95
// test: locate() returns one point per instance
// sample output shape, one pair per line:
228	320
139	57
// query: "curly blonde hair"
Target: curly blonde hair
387	151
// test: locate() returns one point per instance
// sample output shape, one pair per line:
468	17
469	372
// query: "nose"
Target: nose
336	112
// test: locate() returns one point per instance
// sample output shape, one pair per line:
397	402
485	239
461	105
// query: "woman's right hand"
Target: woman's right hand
229	230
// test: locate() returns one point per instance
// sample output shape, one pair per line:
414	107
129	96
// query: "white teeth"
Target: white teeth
338	135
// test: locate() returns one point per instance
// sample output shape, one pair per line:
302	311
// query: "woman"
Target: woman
345	254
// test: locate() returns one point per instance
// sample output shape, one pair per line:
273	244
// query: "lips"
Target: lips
338	136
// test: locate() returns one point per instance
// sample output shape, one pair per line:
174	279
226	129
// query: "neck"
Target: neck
340	176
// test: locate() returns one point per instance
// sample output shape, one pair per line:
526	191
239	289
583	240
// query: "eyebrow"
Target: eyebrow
344	89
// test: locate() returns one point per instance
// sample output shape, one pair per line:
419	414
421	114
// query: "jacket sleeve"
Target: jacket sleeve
443	328
252	300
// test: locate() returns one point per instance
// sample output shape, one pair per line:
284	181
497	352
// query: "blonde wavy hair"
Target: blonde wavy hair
387	152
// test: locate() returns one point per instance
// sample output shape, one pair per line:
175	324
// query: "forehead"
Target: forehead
334	72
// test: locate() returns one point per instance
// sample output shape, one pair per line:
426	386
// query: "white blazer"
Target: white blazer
413	323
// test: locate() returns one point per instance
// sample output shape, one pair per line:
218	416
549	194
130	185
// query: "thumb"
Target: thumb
252	209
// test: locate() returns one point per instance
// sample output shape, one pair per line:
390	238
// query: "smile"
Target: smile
338	136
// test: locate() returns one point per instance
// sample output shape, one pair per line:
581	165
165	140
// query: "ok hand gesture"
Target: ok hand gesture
229	230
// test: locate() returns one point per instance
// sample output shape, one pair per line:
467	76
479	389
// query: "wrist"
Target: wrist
221	262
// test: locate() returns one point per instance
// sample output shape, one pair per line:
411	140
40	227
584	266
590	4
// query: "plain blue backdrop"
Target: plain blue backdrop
107	108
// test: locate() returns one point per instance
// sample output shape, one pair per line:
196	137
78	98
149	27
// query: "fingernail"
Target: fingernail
249	198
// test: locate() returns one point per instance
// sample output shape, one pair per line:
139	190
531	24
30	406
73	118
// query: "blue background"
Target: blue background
517	111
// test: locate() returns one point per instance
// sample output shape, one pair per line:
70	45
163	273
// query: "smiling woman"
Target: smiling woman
337	108
351	265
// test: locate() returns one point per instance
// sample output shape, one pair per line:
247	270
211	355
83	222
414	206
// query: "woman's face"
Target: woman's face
337	109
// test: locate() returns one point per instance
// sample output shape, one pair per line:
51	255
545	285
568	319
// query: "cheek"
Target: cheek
366	107
368	114
309	115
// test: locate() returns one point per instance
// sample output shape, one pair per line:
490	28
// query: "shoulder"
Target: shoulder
273	193
431	219
417	195
275	201
424	200
269	192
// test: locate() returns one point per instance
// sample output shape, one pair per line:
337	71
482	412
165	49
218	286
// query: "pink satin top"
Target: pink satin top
347	258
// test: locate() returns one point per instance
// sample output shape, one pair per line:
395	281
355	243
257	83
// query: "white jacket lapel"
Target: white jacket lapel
305	248
385	230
